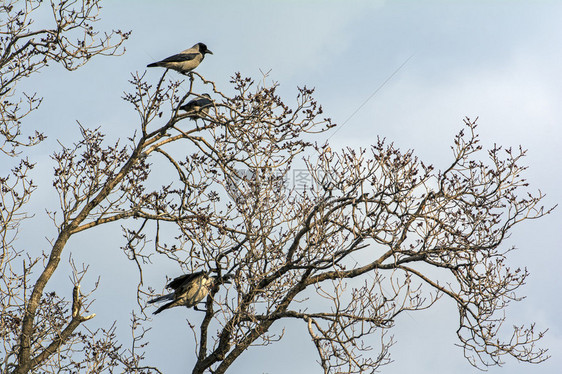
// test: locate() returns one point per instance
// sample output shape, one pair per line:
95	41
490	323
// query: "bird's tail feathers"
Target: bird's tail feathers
169	296
154	64
164	307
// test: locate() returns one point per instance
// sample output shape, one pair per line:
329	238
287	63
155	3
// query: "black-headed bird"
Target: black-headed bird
199	107
185	61
189	290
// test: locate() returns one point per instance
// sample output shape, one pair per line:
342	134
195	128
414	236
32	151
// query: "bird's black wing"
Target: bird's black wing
182	279
181	57
202	102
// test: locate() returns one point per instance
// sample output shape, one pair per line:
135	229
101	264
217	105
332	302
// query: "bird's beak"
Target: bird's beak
209	52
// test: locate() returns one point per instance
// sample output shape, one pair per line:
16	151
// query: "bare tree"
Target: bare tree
34	325
374	232
342	241
409	234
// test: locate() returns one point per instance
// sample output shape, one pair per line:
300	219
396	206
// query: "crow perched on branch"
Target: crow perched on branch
189	290
199	107
184	61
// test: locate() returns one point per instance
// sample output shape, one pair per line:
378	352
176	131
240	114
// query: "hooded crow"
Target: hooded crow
199	107
184	61
189	290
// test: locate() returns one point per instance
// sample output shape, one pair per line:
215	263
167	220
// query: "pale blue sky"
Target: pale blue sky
499	60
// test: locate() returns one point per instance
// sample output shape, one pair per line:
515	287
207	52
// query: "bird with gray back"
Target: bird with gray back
199	107
185	61
189	290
